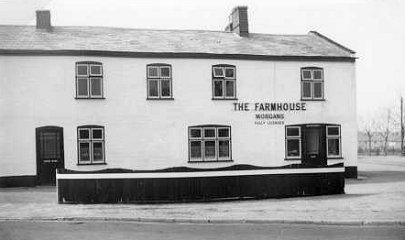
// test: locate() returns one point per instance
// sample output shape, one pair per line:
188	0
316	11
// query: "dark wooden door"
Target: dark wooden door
50	154
314	145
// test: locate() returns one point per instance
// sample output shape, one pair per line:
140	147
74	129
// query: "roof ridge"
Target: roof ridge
317	34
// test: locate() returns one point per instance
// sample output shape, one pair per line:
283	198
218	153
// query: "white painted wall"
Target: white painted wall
140	134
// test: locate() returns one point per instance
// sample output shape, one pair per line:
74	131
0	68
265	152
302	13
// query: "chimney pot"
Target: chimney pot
44	20
238	21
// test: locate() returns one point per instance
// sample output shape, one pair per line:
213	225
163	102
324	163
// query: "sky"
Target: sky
375	29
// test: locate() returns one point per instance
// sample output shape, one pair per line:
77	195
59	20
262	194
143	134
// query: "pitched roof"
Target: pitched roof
17	39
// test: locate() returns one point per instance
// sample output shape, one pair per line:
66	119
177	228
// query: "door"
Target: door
50	154
314	150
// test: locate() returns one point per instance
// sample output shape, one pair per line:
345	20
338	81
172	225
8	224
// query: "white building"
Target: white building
96	98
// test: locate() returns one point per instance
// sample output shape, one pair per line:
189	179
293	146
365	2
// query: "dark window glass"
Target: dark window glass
333	131
153	88
153	72
82	70
95	69
218	89
82	85
84	134
97	134
165	72
165	88
229	72
306	74
333	147
317	89
209	132
195	133
98	151
223	132
293	147
318	74
195	149
230	88
209	150
223	151
293	132
96	88
84	151
218	72
306	89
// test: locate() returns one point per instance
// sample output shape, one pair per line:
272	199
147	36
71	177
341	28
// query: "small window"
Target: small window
209	143
224	82
293	142
89	80
90	143
333	141
312	84
159	81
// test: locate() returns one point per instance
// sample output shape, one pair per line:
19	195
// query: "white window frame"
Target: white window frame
102	149
293	138
311	81
338	136
90	87
90	141
157	71
95	65
77	70
159	78
89	76
234	73
223	79
228	138
218	76
160	87
194	139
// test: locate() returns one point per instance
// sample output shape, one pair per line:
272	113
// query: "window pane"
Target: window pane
165	71
218	72
223	149
97	134
96	87
195	133
306	74
82	87
84	134
223	132
82	70
49	143
293	148
153	88
230	88
318	89
218	89
84	151
333	131
95	70
195	149
230	72
98	151
165	84
318	74
306	90
209	152
153	72
333	147
209	133
293	132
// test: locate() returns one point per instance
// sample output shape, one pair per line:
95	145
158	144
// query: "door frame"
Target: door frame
38	130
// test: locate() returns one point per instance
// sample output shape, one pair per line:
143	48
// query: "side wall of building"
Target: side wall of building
39	91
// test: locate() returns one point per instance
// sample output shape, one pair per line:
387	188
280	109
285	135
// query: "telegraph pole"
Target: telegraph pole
402	127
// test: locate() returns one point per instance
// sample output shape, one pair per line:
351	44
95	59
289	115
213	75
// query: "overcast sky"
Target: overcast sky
375	29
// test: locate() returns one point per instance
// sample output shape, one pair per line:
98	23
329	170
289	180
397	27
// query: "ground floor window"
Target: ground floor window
90	145
209	143
313	142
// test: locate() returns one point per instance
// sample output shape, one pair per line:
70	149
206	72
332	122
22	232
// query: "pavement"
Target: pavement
376	198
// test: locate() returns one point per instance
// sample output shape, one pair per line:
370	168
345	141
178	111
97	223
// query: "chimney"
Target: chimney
44	20
238	21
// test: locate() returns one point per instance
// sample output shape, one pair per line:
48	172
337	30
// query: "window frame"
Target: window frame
89	76
216	139
299	138
159	78
312	81
223	79
91	140
338	137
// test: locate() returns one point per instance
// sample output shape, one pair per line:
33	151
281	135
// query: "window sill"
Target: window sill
216	161
313	100
94	98
90	164
292	159
159	99
225	99
335	158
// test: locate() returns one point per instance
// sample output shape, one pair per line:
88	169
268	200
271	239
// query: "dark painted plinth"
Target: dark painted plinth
350	172
18	181
198	189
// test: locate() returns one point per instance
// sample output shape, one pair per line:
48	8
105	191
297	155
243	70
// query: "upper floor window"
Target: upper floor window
223	82
89	80
159	81
90	145
209	143
312	80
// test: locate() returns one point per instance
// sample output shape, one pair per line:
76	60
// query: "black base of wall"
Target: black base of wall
18	181
350	172
198	188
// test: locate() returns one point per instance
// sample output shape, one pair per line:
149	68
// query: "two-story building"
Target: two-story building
186	104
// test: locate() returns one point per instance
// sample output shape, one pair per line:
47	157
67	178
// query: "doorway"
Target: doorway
50	153
314	147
